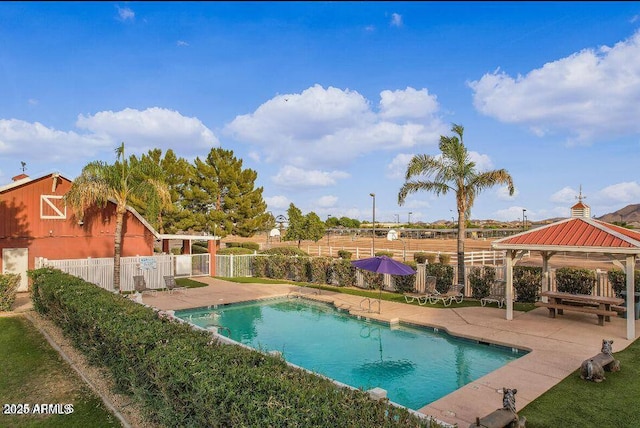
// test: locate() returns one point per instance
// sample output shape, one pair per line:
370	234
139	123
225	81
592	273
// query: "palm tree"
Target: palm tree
452	171
119	183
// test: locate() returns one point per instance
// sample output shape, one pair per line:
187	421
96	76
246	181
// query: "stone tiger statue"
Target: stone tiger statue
592	370
607	349
509	399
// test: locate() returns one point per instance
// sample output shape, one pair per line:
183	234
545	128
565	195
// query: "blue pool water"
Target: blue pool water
415	365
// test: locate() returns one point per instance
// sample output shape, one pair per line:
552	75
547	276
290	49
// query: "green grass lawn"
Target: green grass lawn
385	295
34	373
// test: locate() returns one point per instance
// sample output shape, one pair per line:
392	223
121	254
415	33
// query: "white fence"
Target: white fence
99	271
242	266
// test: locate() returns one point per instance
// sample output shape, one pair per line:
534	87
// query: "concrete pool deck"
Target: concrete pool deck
557	345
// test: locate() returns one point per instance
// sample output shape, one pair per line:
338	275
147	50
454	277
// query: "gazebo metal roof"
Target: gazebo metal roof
576	235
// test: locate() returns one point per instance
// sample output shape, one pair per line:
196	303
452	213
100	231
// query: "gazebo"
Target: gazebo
580	235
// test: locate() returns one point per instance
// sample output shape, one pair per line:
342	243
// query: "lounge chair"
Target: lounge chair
454	293
140	285
429	290
170	282
496	294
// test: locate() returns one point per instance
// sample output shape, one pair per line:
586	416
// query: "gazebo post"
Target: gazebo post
509	284
546	272
631	319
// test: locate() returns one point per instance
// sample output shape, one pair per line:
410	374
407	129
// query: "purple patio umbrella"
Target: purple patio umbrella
383	264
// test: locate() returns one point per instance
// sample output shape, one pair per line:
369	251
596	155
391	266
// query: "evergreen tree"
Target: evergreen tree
222	199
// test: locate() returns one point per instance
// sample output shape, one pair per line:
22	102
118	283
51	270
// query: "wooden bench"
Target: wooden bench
602	314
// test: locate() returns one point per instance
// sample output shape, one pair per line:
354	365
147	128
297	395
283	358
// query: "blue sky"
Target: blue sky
327	101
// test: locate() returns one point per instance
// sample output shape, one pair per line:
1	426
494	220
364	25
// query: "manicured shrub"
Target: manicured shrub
443	274
420	257
259	266
320	270
431	258
406	283
372	280
384	253
235	251
575	280
286	251
183	377
344	254
249	245
481	278
618	280
343	273
444	259
8	289
526	281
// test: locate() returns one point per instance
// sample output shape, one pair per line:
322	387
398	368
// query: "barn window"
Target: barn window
52	207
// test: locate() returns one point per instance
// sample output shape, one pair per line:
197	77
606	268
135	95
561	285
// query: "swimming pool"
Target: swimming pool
415	365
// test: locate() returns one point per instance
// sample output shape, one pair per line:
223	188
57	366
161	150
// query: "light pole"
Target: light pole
523	211
328	217
409	219
373	239
398	218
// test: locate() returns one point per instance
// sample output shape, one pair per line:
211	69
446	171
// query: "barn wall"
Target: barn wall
21	225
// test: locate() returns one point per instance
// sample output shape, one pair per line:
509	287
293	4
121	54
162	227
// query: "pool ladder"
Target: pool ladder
219	328
368	300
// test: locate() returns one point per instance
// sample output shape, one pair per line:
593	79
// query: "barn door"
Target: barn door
16	260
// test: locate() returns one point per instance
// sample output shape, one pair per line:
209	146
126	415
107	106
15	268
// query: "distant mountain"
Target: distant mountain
629	214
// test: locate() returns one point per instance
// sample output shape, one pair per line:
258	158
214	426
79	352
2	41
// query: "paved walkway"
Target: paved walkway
558	345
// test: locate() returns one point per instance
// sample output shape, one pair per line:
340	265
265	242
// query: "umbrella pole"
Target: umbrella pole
379	297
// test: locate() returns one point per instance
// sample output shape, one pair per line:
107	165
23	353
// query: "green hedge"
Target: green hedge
526	281
406	283
234	251
618	280
575	280
183	377
249	245
444	275
286	251
8	288
481	278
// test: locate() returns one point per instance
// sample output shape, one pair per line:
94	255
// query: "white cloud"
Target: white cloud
290	176
370	28
483	162
277	202
592	94
181	43
398	165
151	128
102	132
396	20
331	127
327	201
566	195
503	193
125	14
33	101
627	192
408	103
514	213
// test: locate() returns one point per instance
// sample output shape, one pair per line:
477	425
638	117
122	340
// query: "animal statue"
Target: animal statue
607	349
592	370
509	399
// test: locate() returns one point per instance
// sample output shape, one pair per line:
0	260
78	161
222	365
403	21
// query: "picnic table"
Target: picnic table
603	307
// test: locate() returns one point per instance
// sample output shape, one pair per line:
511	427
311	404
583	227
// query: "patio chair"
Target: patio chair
496	294
429	290
453	294
140	285
172	286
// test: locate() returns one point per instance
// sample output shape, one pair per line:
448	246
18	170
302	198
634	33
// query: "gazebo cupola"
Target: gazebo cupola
581	209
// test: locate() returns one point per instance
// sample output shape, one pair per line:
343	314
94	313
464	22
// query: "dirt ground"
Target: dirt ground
337	242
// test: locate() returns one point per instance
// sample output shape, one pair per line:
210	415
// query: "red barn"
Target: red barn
35	222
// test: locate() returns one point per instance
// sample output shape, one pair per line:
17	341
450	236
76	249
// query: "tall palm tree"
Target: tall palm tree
452	171
121	182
